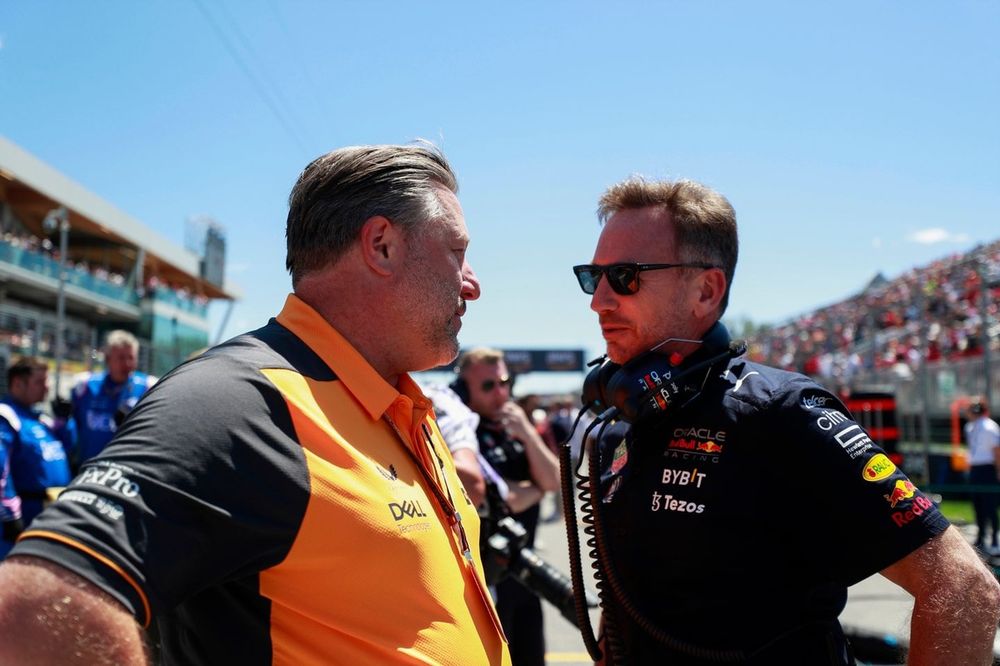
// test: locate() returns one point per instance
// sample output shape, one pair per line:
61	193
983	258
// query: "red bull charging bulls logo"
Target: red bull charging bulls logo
903	490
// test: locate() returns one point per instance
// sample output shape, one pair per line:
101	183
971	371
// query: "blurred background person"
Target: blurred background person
983	436
98	396
39	464
510	443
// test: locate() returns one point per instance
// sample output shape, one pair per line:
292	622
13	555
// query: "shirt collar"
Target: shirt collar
367	386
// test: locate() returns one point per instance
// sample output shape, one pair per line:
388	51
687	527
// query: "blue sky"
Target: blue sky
851	137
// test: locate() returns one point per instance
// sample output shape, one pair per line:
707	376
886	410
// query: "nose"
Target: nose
470	283
604	299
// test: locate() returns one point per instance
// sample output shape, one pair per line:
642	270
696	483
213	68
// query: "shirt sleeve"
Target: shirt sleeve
204	483
456	421
866	513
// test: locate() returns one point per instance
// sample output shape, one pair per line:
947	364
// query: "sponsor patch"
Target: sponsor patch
683	477
878	468
920	505
390	473
903	490
813	401
691	455
620	458
854	441
406	509
110	476
661	502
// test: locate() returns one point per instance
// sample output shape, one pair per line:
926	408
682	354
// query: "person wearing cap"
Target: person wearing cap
983	437
286	497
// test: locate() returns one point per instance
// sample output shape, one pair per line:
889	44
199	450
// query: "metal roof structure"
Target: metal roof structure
101	234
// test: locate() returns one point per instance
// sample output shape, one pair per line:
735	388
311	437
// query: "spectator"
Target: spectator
511	444
99	396
39	464
983	436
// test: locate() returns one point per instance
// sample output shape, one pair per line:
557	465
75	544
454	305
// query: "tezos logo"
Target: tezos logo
878	468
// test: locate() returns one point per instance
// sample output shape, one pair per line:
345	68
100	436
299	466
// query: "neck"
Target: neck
369	330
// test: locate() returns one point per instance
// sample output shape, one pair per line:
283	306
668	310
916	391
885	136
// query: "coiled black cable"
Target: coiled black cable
601	551
566	473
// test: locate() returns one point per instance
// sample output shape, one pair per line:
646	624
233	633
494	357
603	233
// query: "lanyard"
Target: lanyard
446	503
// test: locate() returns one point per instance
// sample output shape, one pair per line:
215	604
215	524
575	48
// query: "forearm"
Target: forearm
543	463
956	602
60	619
467	468
523	495
954	631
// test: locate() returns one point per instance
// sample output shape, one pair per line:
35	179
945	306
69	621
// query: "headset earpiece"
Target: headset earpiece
651	383
594	396
461	389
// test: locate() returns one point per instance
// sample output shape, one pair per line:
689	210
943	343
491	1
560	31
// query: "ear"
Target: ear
709	288
381	245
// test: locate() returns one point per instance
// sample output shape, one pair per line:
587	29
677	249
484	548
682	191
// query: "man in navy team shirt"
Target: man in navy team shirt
98	396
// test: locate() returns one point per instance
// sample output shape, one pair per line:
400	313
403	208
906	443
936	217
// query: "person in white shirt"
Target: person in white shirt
983	436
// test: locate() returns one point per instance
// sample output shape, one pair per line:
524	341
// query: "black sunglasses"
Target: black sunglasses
623	278
489	384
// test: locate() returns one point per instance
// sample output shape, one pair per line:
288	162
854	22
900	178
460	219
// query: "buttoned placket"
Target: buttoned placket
423	456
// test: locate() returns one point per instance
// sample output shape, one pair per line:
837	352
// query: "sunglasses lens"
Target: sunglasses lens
588	279
624	279
489	384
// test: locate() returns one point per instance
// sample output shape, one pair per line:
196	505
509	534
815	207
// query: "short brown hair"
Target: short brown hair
486	355
23	367
337	192
703	220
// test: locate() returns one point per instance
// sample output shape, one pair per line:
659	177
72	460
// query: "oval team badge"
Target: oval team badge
620	458
878	468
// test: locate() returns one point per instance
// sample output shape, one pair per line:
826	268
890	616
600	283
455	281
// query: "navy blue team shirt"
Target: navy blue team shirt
739	521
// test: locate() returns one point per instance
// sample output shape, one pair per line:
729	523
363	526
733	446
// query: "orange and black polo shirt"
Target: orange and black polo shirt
273	502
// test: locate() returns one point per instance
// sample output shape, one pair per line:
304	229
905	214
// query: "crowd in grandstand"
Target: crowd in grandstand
43	247
884	327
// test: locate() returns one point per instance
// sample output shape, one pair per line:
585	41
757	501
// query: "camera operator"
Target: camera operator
511	445
740	500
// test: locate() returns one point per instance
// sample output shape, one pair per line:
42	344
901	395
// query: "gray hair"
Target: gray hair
120	338
339	191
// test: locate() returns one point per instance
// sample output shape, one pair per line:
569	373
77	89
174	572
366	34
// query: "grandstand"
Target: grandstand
116	273
930	338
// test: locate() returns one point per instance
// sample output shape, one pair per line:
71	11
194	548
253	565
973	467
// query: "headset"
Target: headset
646	387
461	388
655	382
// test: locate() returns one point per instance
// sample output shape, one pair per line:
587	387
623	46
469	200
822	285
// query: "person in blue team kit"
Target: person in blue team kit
36	446
98	396
10	504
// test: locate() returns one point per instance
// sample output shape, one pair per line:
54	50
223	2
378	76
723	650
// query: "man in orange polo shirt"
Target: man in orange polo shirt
286	498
